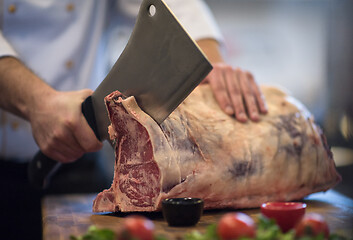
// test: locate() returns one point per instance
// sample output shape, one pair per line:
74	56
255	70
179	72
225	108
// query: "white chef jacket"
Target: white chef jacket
59	41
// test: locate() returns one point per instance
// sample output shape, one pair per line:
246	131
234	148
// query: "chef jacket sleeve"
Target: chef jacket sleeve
194	15
5	48
196	18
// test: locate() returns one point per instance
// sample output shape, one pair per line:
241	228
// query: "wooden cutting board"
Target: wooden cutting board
66	215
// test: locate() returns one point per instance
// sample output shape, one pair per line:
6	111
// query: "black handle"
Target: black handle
88	111
42	168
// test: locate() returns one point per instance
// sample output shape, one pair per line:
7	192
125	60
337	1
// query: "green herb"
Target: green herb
267	229
210	234
160	237
94	233
337	237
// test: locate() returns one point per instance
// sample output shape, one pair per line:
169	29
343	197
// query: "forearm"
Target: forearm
211	49
57	123
20	89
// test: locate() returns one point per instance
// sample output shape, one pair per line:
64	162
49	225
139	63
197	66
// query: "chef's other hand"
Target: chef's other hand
59	127
237	92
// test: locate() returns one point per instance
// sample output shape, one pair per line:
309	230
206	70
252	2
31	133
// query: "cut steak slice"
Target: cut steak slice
199	151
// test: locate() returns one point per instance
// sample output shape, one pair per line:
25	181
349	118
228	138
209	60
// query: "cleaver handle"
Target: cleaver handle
42	168
88	111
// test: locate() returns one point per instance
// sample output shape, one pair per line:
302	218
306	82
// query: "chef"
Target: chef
49	62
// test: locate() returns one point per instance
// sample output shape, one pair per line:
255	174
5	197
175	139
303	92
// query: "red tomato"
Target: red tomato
235	225
138	227
312	225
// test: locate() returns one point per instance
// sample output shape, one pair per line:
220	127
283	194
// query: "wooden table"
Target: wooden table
66	215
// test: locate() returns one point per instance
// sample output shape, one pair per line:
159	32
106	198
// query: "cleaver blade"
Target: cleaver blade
160	66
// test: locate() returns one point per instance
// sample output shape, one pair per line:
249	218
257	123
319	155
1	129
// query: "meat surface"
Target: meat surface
199	151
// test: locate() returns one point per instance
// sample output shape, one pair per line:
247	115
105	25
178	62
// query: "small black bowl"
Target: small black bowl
182	211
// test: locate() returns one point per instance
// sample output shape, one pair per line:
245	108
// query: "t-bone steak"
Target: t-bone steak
199	151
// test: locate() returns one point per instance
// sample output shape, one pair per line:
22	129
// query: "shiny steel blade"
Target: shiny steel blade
160	66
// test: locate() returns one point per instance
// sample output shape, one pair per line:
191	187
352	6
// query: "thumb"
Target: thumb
85	93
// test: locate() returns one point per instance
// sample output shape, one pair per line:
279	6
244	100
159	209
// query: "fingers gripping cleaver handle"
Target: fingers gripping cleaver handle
42	168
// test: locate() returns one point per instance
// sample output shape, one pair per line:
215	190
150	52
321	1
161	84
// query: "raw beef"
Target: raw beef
199	151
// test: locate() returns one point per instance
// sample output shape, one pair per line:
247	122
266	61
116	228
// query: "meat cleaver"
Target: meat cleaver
160	66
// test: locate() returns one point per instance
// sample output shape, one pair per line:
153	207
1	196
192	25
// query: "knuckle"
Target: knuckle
239	70
236	93
228	68
249	75
247	92
71	123
252	81
49	145
235	90
237	73
218	88
56	136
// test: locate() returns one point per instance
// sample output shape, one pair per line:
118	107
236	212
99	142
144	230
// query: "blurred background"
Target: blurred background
306	47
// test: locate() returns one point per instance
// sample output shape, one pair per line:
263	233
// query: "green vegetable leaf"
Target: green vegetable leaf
160	237
210	234
194	235
267	229
337	237
94	233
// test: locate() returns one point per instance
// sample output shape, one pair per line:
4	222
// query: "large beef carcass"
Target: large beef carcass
199	151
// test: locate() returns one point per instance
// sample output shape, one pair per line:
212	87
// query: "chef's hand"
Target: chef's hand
60	129
236	92
58	125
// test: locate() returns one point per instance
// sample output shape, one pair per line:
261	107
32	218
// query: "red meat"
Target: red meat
199	151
